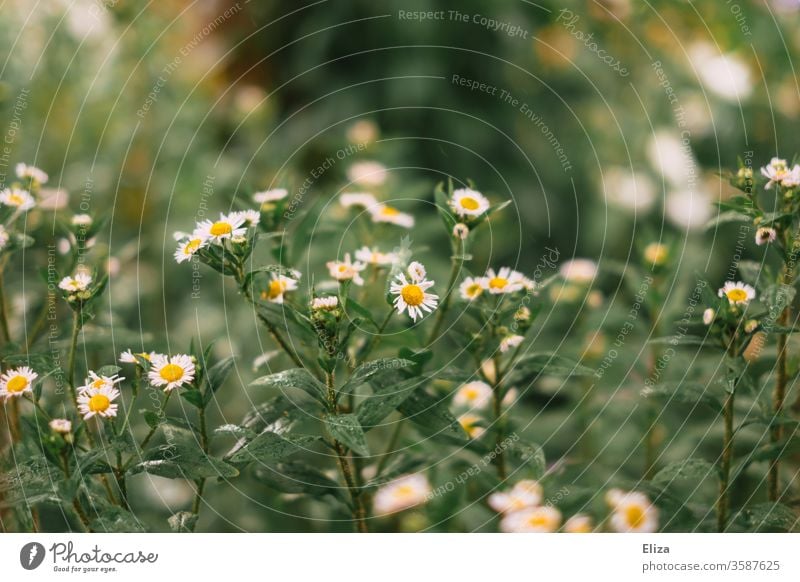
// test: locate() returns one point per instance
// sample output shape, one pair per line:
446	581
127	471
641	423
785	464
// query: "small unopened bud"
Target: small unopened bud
61	425
765	235
489	371
751	326
708	316
461	231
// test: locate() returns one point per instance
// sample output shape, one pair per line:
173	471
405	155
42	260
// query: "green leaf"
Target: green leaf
299	477
182	522
346	429
691	468
217	373
550	363
750	271
113	519
530	455
432	416
385	399
193	397
771	517
270	447
686	392
294	378
374	370
109	370
183	458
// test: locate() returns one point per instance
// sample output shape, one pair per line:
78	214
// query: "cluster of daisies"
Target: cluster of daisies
231	227
471	400
18	196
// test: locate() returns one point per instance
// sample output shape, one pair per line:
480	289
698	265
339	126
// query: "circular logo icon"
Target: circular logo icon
31	555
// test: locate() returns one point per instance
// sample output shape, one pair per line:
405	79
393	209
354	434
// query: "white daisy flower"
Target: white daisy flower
613	497
60	425
467	202
367	173
503	281
96	382
413	296
78	282
708	316
359	199
402	493
4	237
765	235
372	256
278	286
532	520
579	270
346	270
461	231
633	513
169	372
737	293
656	254
82	220
510	341
390	214
579	523
98	402
476	394
188	247
24	171
228	226
17	198
469	422
325	303
526	493
250	217
778	172
268	196
17	381
472	288
128	357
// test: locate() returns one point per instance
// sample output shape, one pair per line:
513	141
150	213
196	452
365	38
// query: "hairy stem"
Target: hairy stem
497	411
723	501
779	393
457	262
3	312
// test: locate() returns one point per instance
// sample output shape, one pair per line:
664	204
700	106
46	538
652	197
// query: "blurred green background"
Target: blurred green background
145	113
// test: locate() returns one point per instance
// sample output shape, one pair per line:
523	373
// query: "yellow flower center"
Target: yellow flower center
276	289
99	403
15	199
144	355
470	394
474	290
390	211
98	383
171	372
193	245
634	515
404	491
498	283
469	203
538	520
736	295
413	295
342	268
221	228
17	384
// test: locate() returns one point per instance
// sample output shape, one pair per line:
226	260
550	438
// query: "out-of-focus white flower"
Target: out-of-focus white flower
503	281
627	189
346	270
579	523
360	199
579	271
4	237
765	235
673	158
469	422
17	198
475	394
268	196
60	425
472	288
53	198
532	520
325	303
708	316
26	172
187	248
726	75
688	209
633	513
367	173
372	256
510	341
82	220
363	131
526	493
78	282
391	215
779	172
402	493
250	217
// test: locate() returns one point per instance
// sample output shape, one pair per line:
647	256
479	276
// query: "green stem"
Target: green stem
271	328
200	483
358	510
398	429
3	312
455	269
723	501
779	393
73	348
497	411
150	434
